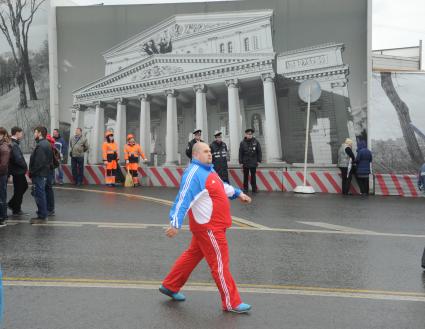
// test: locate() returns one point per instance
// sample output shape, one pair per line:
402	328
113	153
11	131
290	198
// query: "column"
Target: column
213	45
239	42
271	126
77	117
98	134
234	119
171	138
145	124
201	110
53	68
243	115
120	132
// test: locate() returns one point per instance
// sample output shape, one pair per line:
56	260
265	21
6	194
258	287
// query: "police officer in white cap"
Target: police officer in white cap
219	156
197	138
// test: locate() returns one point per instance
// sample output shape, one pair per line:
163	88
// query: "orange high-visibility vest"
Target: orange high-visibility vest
109	149
133	151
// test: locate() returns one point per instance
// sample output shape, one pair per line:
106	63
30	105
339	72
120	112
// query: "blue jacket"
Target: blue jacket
61	146
363	159
205	197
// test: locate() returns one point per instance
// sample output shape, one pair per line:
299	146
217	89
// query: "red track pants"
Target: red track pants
213	246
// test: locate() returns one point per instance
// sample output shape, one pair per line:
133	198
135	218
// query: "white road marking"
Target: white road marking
237	220
69	224
249	223
335	227
247	228
282	290
123	226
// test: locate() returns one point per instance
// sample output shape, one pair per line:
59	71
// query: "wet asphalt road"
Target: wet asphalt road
309	268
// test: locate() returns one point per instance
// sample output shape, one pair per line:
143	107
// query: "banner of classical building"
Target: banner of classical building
221	70
397	122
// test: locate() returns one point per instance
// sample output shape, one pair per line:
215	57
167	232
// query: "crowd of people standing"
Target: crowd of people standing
41	170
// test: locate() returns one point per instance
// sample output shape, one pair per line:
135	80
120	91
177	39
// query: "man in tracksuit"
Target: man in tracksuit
205	197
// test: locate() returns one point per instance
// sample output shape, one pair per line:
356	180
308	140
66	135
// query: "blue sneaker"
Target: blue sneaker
242	308
177	296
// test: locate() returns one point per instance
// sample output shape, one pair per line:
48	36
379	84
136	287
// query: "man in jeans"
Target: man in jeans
40	167
17	169
5	150
78	146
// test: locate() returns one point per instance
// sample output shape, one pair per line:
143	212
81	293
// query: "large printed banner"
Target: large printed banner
226	66
397	122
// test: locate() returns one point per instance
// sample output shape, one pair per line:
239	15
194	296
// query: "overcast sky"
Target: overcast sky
396	23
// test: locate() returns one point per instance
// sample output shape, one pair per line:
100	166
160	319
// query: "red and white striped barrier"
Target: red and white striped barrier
267	179
392	184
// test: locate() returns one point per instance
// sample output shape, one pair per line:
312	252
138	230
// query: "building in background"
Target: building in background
217	71
410	59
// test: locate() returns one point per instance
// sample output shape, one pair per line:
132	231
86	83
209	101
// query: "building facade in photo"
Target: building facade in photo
217	71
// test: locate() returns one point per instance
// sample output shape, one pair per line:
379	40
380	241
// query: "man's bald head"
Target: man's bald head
201	152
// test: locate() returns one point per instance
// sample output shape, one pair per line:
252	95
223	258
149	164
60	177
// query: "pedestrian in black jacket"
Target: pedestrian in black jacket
41	163
249	157
219	156
197	138
5	150
17	169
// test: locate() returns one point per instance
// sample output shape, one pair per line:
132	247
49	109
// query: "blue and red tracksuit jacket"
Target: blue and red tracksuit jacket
205	197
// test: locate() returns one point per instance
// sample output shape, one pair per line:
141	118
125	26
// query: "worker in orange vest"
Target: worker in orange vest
110	158
132	152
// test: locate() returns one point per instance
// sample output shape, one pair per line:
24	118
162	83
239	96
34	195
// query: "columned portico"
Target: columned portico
226	49
98	133
272	130
201	110
145	124
234	119
171	139
121	126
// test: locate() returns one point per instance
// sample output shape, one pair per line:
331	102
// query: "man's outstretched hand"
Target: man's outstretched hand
244	198
171	232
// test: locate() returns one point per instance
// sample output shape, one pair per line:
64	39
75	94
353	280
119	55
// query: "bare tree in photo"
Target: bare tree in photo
402	110
9	16
25	25
7	75
15	27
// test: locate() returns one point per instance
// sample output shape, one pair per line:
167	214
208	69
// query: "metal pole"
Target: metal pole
306	136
